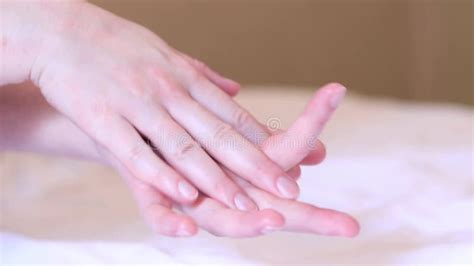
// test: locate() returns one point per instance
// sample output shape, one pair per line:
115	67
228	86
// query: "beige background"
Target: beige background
407	49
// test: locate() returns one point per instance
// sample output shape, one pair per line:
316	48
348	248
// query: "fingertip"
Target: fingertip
232	93
188	192
351	227
329	89
316	155
186	227
164	221
230	87
271	221
337	94
344	225
295	172
287	187
335	87
322	152
329	222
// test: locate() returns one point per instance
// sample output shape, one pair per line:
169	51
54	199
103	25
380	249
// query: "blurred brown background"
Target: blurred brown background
407	49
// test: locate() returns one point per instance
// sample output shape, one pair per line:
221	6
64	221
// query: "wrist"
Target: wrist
28	29
29	123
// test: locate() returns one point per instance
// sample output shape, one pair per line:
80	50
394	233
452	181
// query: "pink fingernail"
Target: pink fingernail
187	190
337	95
232	82
287	187
243	203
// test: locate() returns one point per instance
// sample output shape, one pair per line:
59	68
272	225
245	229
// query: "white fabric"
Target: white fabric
403	169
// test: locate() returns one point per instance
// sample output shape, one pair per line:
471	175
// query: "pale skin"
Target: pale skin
109	75
31	124
108	86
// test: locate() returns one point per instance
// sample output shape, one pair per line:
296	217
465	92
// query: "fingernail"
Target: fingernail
287	187
183	231
243	203
270	229
337	96
187	190
234	83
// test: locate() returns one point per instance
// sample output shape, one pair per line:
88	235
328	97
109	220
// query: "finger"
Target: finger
230	148
210	214
158	214
218	102
229	86
186	156
156	207
226	109
302	217
301	137
295	172
218	220
316	155
124	142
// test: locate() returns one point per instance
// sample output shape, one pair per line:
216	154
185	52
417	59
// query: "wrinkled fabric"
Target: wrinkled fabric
403	169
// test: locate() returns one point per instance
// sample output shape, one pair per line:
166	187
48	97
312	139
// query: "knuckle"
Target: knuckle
179	61
135	86
162	80
308	213
183	148
152	69
223	132
96	119
191	70
199	64
169	89
100	109
241	118
135	152
194	75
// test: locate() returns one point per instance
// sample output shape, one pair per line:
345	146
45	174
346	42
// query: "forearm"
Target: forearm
29	123
27	30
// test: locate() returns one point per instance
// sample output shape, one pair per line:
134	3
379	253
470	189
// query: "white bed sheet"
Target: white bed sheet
403	169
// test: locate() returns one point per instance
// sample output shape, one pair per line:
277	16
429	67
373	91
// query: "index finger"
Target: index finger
301	137
221	104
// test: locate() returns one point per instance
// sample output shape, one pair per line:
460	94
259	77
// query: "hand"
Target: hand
276	213
117	82
29	123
